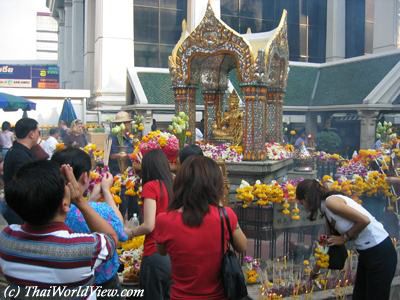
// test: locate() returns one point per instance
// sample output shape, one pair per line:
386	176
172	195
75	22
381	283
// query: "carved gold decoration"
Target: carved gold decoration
277	55
211	37
204	57
222	166
254	122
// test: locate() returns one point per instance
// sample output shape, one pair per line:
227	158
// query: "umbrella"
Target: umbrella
67	113
13	103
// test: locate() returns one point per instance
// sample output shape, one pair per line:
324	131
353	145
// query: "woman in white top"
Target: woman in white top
377	257
6	138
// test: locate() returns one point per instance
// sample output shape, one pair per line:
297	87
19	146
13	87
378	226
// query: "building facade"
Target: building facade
27	32
100	40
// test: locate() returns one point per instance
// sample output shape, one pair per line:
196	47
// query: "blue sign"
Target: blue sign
30	76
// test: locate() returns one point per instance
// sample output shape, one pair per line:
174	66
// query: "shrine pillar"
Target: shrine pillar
212	112
185	100
254	123
273	115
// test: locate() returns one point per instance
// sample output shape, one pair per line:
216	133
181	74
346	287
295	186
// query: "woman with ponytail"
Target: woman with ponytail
156	193
377	257
190	232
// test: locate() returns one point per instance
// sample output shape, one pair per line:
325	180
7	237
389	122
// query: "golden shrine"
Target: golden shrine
204	58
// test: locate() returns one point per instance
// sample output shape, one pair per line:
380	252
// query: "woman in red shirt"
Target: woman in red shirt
190	232
155	271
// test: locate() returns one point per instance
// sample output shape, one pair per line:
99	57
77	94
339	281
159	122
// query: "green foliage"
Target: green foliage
329	141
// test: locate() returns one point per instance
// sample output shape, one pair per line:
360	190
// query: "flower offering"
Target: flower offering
131	257
94	153
165	141
277	151
252	267
137	124
384	132
180	128
266	194
321	252
224	152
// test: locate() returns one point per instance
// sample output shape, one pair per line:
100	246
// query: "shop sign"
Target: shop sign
30	76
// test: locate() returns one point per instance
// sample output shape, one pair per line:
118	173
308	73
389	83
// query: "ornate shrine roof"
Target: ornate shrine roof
341	83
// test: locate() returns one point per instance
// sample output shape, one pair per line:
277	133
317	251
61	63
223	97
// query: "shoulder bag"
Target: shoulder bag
337	253
231	270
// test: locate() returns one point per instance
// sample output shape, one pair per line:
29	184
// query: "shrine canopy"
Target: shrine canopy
203	59
259	57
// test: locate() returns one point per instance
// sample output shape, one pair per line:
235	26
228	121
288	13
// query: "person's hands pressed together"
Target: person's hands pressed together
107	182
76	193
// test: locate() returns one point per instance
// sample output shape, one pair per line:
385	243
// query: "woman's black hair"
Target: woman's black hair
188	151
5	126
155	166
313	193
78	159
198	184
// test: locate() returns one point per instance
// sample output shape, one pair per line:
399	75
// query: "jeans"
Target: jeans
4	152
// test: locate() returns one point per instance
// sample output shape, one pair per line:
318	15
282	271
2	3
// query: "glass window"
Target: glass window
165	52
170	26
146	55
316	44
355	28
303	40
146	24
316	11
257	9
294	41
245	23
153	3
251	9
256	25
303	12
232	22
292	7
268	9
157	26
173	4
229	7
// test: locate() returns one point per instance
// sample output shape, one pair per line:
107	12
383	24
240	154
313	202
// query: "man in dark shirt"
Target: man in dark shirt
129	204
27	134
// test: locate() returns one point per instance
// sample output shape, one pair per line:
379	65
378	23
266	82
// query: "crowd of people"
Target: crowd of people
45	205
71	136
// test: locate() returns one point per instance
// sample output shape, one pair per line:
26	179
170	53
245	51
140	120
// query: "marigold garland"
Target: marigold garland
266	194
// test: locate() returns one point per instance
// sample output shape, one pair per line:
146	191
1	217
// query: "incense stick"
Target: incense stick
107	151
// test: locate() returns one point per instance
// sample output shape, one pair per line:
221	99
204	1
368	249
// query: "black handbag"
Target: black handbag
337	257
231	270
337	253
